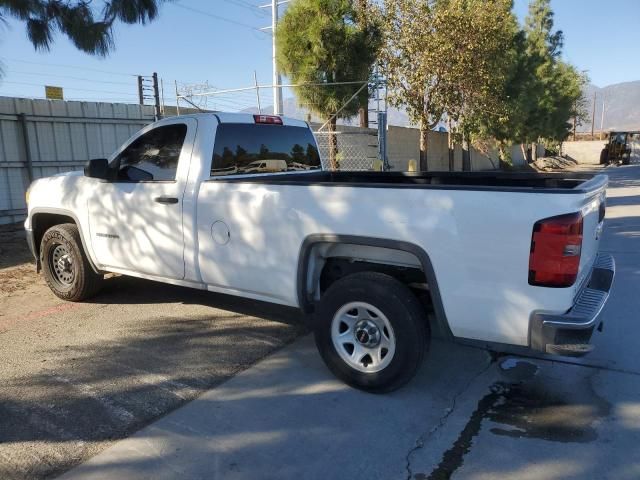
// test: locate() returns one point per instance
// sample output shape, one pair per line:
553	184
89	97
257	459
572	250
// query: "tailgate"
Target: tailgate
593	212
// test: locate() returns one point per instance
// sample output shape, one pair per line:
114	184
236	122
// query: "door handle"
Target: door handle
166	200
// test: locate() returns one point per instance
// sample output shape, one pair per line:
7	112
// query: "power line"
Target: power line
40	74
89	69
72	88
92	99
218	17
248	6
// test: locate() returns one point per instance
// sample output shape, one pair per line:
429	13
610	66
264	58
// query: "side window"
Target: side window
245	148
152	156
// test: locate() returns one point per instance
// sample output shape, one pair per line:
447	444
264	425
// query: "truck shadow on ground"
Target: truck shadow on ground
123	290
89	393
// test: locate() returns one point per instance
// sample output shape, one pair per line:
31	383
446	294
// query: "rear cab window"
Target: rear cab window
244	148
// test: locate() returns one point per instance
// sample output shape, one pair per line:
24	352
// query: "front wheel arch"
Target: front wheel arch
43	219
65	265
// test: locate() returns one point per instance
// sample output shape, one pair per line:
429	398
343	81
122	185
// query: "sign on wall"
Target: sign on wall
53	93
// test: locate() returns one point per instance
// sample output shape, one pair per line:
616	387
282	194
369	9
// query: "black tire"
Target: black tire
604	156
73	279
403	311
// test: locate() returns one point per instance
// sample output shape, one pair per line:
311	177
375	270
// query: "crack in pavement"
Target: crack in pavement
422	439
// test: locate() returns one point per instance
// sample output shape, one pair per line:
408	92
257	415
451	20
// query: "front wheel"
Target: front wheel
371	331
65	266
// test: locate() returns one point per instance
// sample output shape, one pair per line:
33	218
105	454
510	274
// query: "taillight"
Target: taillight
556	243
268	119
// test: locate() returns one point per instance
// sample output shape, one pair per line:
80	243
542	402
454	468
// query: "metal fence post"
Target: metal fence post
27	146
382	140
156	96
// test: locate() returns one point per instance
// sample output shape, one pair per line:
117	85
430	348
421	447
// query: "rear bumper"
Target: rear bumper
569	333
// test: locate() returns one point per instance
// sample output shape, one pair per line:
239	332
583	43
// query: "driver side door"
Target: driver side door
136	218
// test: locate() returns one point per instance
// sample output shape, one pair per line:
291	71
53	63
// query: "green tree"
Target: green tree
542	92
476	35
241	155
445	56
323	42
263	154
87	24
297	153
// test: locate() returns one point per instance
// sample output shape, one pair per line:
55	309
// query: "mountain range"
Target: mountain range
621	106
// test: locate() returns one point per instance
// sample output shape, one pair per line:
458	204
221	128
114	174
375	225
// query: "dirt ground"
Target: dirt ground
15	259
18	278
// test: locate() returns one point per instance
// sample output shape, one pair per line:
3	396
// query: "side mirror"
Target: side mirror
97	168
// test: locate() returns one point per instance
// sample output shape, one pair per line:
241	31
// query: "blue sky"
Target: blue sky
191	46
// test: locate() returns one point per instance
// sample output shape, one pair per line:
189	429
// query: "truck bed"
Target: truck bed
492	181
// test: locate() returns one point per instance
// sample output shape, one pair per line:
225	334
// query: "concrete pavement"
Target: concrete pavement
467	415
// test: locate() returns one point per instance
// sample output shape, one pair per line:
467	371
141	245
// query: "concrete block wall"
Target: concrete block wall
583	151
403	144
517	157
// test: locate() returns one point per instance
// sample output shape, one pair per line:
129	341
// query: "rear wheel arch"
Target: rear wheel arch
311	261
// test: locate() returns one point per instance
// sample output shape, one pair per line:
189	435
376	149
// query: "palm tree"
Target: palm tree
87	24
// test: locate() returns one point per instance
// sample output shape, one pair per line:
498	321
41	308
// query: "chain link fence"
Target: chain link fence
354	150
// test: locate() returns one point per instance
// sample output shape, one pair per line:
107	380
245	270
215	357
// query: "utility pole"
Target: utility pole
175	82
602	120
277	80
140	92
593	114
162	97
363	111
255	81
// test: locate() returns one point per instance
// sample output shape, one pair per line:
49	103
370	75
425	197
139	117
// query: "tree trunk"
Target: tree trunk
503	164
450	147
364	117
534	152
333	145
523	149
466	153
424	133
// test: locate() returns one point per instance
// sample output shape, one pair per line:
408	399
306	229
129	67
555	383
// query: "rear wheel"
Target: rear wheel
65	266
371	331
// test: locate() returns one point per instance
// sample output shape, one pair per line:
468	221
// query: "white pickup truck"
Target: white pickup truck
239	204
